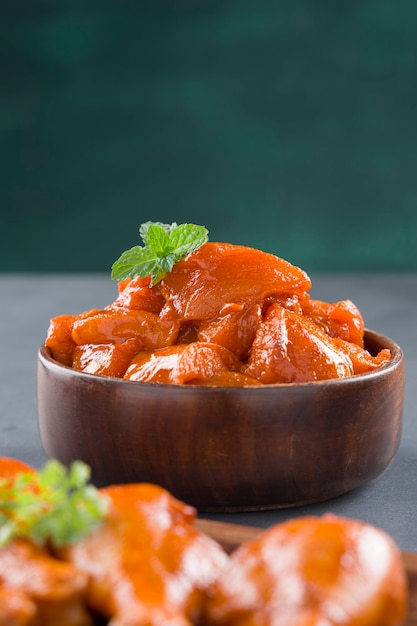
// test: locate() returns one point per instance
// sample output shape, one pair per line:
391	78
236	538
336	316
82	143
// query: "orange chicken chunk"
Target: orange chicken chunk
185	363
147	565
219	274
289	348
310	571
40	590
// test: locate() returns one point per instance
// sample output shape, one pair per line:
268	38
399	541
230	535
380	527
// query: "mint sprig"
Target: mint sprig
53	505
165	245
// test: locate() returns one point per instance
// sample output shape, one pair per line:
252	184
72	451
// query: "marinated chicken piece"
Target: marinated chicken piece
219	274
37	589
328	571
289	348
147	565
362	361
341	319
59	339
16	608
136	294
116	325
185	363
105	359
234	328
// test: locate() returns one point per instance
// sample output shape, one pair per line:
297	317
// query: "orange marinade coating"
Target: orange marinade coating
341	319
59	339
105	359
47	591
114	325
220	274
312	571
147	564
192	363
220	300
291	349
234	329
136	294
17	609
11	467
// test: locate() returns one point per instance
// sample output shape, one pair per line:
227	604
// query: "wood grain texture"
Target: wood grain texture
230	536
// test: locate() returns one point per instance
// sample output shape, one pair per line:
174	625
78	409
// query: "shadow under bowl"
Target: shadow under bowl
227	448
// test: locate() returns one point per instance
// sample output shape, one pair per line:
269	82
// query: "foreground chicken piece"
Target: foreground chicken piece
38	590
147	565
17	609
327	571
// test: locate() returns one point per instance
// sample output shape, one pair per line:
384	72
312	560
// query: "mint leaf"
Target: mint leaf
143	229
165	245
134	262
157	239
186	238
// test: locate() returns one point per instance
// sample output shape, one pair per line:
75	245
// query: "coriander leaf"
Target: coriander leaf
53	505
165	245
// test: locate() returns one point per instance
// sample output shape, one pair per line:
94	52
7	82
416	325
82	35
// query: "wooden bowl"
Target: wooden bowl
227	448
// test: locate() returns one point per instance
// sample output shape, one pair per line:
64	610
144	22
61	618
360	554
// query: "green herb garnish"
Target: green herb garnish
165	245
53	505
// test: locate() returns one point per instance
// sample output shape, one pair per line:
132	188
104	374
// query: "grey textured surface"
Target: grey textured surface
388	303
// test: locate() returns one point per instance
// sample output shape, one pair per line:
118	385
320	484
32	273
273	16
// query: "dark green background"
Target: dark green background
285	125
